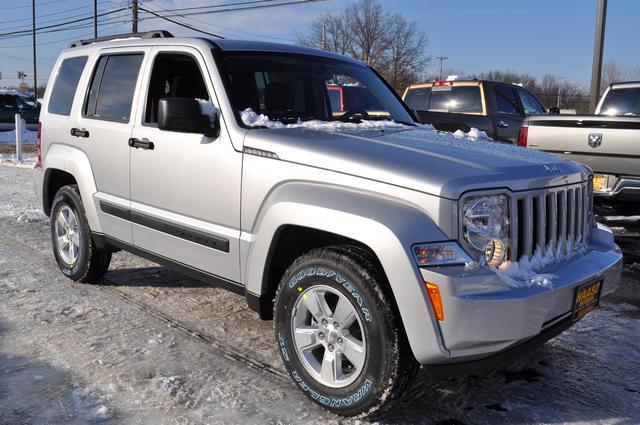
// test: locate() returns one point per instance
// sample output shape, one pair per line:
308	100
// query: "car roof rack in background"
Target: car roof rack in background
148	34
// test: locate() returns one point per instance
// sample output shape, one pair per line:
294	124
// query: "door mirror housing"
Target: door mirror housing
554	110
183	115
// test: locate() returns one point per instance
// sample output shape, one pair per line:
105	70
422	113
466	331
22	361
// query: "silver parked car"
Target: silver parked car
607	142
376	245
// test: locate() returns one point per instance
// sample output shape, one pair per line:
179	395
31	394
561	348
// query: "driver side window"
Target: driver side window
173	75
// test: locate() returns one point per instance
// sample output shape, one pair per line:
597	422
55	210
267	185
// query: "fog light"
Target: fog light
495	252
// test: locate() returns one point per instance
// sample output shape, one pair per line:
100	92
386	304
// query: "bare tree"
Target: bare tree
612	72
387	42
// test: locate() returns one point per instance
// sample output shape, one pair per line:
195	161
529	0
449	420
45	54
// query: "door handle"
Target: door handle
503	124
143	143
79	132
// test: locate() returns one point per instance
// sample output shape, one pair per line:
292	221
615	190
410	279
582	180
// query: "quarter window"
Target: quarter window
465	99
64	89
112	87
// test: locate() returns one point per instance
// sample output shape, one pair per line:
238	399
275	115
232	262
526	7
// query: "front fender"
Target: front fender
75	162
388	226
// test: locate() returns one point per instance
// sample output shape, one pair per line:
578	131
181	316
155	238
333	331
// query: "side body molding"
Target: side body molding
387	225
75	162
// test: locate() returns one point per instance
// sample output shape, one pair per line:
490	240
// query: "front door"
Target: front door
185	188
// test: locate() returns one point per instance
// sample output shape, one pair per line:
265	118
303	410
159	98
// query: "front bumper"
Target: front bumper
483	316
625	189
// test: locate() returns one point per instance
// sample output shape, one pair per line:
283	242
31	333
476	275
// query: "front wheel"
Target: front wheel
339	335
75	251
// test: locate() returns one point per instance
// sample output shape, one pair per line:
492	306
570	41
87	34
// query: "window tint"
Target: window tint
622	102
506	100
64	89
440	100
334	99
531	105
418	99
465	99
112	87
173	75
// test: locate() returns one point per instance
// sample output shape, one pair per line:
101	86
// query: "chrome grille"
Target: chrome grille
550	218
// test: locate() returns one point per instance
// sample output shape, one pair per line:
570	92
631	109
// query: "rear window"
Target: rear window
418	99
621	102
334	99
456	99
64	89
112	86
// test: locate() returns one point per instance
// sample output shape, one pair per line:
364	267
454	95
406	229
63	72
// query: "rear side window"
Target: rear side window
334	99
506	100
465	99
418	99
622	102
531	105
64	89
112	86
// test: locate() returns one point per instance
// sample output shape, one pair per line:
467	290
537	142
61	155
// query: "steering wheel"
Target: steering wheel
353	113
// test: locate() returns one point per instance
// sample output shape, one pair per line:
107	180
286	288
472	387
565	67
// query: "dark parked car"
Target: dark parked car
13	102
495	108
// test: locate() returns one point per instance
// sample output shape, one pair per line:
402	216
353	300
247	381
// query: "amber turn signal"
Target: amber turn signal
436	301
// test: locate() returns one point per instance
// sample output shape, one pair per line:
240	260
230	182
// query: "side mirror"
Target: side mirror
184	115
554	110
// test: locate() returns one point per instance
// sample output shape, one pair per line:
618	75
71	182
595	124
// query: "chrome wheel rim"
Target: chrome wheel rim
328	336
67	232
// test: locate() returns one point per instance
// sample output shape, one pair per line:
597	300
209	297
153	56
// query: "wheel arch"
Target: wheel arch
385	227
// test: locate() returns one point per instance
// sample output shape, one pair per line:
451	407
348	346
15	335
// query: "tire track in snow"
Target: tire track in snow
31	254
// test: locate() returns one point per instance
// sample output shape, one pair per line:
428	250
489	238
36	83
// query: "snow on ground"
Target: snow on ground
9	137
10	160
150	346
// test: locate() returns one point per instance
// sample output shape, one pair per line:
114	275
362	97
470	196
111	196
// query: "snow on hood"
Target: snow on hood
252	119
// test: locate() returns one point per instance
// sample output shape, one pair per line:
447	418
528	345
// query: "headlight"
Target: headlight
485	227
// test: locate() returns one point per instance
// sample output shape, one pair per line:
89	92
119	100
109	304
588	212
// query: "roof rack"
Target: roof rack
148	34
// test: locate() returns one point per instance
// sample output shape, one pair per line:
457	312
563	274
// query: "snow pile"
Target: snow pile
526	271
28	161
9	137
100	413
473	134
252	119
207	108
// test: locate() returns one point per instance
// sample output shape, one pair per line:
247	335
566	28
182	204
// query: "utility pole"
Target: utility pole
134	17
441	59
559	90
33	27
324	38
95	18
596	71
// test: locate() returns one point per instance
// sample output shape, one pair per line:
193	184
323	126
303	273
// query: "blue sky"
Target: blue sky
537	37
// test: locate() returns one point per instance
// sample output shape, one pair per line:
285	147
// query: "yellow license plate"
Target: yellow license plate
600	183
586	299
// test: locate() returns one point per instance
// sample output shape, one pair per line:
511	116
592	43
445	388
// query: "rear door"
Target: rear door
103	129
508	113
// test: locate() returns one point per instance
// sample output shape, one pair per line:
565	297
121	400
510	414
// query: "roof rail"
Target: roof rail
148	34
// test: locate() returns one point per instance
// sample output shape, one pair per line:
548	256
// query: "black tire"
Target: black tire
91	263
389	366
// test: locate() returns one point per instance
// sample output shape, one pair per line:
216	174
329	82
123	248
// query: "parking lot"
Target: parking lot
148	345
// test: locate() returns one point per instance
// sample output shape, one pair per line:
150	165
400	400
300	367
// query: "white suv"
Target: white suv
375	243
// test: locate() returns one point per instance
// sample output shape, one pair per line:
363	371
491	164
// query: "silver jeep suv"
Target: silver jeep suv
376	245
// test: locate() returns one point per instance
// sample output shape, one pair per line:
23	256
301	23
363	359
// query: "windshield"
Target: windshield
294	88
620	102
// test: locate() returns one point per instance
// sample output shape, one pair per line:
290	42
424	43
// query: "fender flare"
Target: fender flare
388	226
75	162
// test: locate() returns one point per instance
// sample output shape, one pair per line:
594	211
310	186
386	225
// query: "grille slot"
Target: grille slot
549	218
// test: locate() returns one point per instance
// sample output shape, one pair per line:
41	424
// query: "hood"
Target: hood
426	160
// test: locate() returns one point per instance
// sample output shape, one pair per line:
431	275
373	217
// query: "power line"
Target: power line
191	27
235	9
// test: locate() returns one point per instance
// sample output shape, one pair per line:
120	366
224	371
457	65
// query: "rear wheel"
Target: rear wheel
73	247
339	335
